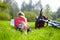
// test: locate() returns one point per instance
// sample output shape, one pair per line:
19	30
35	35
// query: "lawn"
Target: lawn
8	32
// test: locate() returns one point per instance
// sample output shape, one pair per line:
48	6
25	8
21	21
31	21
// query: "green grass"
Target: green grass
8	32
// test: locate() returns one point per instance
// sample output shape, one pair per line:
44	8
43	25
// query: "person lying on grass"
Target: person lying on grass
20	22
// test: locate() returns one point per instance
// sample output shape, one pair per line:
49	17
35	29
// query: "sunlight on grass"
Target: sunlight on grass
7	32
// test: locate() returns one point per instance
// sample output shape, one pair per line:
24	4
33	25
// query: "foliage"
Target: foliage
8	32
4	16
4	11
58	12
30	6
30	15
14	7
27	7
0	1
58	19
56	15
14	10
47	12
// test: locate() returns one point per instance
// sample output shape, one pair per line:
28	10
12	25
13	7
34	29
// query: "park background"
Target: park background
9	10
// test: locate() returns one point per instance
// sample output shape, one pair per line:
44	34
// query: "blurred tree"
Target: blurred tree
38	5
26	6
29	6
23	6
0	1
58	12
54	15
8	1
7	8
14	7
32	7
14	10
30	15
4	11
47	12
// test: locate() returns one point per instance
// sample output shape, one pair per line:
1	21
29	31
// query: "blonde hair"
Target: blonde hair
20	13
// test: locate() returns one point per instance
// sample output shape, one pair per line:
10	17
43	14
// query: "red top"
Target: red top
19	19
